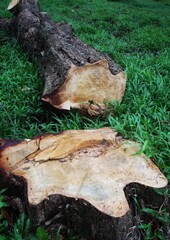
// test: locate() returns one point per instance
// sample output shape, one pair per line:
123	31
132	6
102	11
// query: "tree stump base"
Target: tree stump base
80	178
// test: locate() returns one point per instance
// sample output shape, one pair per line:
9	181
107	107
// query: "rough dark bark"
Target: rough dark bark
62	57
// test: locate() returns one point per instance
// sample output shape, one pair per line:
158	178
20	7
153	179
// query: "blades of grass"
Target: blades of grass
42	234
27	227
143	148
58	233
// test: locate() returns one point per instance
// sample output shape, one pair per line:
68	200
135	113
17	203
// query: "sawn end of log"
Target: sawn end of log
74	73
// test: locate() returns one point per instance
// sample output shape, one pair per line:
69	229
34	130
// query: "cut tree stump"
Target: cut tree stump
75	74
82	175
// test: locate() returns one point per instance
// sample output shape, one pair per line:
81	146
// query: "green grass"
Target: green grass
136	34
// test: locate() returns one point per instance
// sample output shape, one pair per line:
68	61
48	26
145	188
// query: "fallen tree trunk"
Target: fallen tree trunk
80	175
75	74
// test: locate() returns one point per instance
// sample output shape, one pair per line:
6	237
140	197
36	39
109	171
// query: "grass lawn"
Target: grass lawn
136	34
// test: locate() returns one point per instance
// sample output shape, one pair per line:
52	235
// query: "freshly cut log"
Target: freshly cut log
90	169
75	74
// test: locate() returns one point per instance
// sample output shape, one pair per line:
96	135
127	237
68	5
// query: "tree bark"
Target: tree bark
75	74
80	178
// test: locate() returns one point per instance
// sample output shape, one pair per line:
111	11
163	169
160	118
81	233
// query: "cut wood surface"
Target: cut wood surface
75	74
93	166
